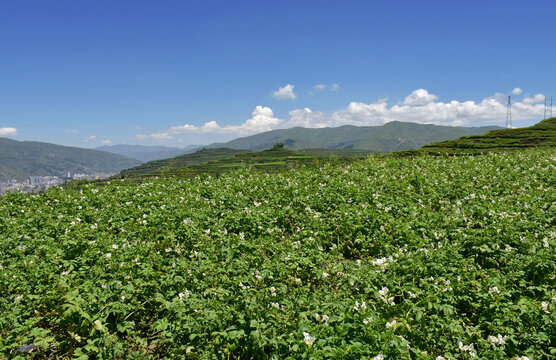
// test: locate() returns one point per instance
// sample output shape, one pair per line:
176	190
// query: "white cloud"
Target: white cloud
420	97
262	119
106	142
331	87
517	91
533	100
71	131
8	131
420	107
90	138
285	93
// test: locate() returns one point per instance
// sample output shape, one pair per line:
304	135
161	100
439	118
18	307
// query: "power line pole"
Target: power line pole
509	113
547	108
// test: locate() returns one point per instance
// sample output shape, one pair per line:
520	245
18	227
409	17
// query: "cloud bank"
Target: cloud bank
420	107
8	131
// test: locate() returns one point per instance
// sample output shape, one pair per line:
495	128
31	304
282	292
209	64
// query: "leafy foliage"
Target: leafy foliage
401	258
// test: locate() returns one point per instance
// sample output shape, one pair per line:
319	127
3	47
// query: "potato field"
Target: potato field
386	258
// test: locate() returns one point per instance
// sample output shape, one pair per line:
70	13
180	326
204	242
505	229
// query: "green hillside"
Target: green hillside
221	160
182	161
392	136
542	134
19	159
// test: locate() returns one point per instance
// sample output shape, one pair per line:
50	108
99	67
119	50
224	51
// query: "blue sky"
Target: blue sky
174	73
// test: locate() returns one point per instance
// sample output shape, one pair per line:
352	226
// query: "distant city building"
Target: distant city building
35	184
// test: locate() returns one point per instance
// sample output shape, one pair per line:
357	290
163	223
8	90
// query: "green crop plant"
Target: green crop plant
388	257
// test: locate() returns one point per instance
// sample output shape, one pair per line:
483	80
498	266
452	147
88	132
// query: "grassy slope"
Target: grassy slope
19	159
542	134
392	136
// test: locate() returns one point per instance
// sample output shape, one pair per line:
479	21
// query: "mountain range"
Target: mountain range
20	159
392	136
147	153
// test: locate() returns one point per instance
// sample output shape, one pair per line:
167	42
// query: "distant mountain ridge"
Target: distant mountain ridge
147	153
392	136
20	159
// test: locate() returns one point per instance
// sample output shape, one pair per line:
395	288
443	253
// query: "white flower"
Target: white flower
108	255
309	340
378	357
493	290
275	304
324	274
183	295
440	357
362	305
368	320
497	340
272	291
544	307
390	325
381	263
383	295
115	247
18	299
325	318
470	349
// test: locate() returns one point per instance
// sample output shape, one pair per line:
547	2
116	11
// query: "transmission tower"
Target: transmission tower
547	108
509	113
